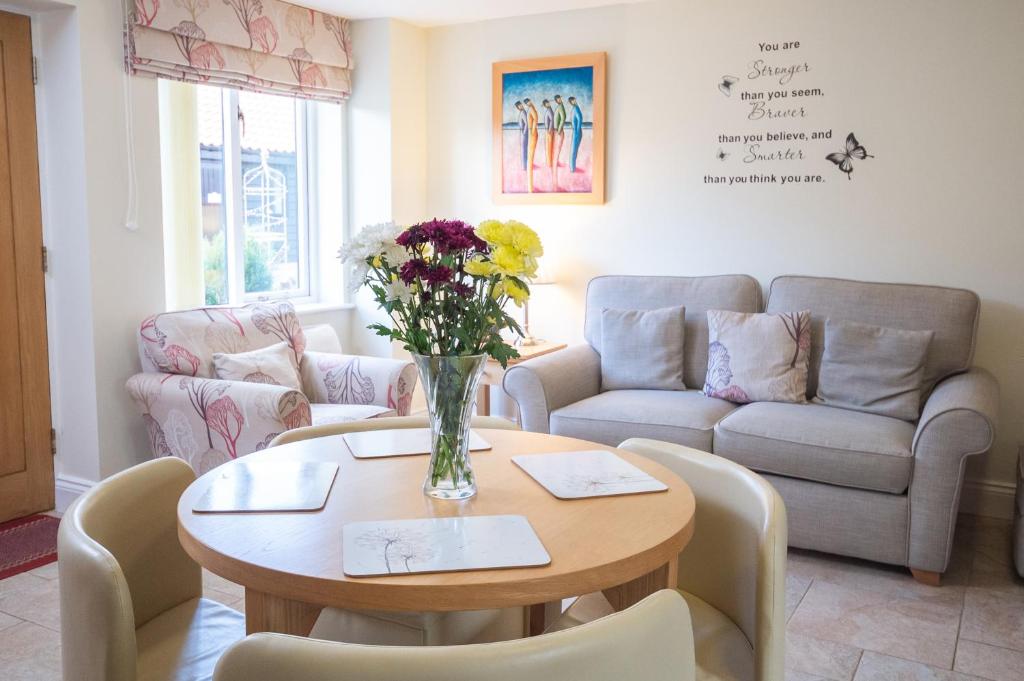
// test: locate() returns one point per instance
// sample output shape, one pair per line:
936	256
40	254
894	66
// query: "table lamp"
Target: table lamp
544	277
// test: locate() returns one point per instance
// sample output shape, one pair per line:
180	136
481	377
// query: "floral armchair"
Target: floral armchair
191	413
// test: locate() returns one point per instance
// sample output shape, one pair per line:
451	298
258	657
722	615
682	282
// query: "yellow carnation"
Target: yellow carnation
495	233
516	291
508	261
524	239
479	267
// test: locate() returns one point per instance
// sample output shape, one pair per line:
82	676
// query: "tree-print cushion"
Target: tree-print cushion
274	365
758	357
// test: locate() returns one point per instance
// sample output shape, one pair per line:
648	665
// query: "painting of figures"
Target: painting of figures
549	130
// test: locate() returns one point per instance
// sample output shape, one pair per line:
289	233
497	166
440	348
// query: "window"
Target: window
255	166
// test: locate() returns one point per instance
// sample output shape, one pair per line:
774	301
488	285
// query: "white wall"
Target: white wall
387	147
931	88
104	278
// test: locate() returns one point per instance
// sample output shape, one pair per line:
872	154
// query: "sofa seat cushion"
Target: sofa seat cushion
322	414
184	643
684	417
824	444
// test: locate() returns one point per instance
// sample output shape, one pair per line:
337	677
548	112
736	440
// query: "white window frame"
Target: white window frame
234	206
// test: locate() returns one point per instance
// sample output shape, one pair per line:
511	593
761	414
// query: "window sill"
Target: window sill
316	308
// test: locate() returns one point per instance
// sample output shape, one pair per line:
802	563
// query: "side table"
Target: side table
493	373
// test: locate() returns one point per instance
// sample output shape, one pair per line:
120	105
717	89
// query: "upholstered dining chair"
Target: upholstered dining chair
131	603
651	641
409	628
732	573
381	423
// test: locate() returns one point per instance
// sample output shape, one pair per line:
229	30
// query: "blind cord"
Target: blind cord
131	217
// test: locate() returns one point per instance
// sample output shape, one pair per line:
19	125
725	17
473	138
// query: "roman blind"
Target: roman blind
261	45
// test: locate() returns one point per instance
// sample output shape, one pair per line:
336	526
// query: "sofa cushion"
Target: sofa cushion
737	292
824	444
642	349
754	357
950	312
322	414
683	417
873	369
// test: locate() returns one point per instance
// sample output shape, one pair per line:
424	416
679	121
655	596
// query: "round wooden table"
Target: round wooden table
291	566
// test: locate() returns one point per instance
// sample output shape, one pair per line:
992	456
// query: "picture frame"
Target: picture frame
548	130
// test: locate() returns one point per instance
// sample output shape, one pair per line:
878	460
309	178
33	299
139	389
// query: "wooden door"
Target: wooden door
26	459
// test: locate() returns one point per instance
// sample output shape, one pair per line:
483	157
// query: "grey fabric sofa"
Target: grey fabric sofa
855	484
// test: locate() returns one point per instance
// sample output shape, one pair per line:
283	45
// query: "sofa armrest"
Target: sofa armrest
207	422
330	378
958	421
549	382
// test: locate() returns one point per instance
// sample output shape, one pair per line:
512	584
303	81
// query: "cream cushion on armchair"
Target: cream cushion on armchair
130	597
732	573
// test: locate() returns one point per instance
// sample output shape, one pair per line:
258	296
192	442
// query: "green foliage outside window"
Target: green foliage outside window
258	277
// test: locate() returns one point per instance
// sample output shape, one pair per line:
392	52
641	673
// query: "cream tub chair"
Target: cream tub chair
193	415
651	641
131	605
732	573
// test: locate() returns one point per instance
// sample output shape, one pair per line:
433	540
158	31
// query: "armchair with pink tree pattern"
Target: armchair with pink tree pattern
191	413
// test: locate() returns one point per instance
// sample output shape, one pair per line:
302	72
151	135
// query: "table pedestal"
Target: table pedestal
266	612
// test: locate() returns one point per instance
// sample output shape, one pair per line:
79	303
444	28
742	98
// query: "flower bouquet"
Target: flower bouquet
445	287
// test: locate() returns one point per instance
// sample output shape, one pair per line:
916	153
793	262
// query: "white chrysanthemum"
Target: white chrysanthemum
400	291
372	240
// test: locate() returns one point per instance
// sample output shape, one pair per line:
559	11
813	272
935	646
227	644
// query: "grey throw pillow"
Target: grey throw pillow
642	349
873	369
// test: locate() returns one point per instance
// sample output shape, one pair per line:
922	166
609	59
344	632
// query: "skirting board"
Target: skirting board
979	497
69	488
988	498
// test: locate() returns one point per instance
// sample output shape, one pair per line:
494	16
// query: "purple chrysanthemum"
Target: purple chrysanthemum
413	269
438	274
446	236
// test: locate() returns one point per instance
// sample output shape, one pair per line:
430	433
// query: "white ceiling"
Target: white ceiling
440	12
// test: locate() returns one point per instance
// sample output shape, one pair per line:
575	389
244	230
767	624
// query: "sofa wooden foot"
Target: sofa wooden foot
927	577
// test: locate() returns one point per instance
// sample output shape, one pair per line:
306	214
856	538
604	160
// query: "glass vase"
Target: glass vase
450	384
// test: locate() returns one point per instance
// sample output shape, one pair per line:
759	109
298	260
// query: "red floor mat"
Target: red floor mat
27	543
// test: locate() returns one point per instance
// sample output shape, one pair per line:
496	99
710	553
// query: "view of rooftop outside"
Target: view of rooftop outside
267	188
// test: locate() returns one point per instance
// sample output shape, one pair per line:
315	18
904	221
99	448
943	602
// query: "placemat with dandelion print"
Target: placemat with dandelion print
581	475
398	547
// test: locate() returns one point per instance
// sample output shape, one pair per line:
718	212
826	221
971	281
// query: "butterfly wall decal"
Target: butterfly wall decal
722	154
726	85
844	159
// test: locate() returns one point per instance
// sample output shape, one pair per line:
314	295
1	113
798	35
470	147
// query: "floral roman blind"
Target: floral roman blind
262	45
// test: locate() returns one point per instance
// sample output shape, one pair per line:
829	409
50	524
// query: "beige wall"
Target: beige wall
930	87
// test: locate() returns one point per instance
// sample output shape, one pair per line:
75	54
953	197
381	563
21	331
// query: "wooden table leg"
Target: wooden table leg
266	612
540	616
632	592
483	400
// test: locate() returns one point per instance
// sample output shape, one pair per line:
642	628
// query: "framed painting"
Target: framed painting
548	121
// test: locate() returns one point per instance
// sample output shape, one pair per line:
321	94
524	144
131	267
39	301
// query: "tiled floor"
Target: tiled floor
848	620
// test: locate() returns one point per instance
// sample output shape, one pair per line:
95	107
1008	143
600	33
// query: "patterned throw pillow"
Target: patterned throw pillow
274	364
758	357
